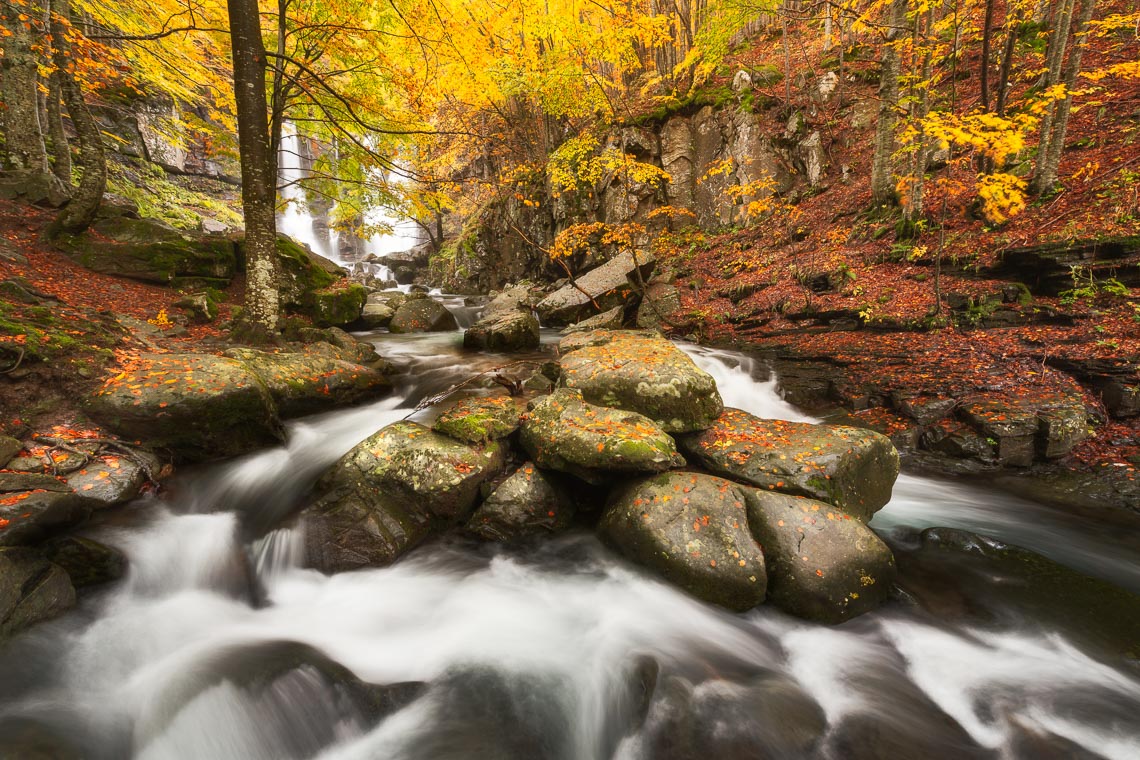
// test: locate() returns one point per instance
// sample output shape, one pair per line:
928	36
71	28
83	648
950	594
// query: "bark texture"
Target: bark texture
23	134
60	149
882	183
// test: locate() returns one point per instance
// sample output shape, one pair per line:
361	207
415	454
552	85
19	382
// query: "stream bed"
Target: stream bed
218	645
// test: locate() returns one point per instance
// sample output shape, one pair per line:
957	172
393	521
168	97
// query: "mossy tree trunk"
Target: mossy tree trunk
23	134
882	182
60	149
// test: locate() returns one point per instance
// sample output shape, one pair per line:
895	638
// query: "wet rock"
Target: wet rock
528	503
479	419
608	285
306	383
849	468
390	492
930	733
823	564
956	439
151	251
691	529
562	432
659	305
9	448
1061	428
29	739
299	271
645	374
113	479
31	516
31	589
1012	428
425	314
925	410
376	314
503	331
198	406
86	562
608	320
12	482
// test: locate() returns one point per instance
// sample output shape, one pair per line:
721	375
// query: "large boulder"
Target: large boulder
479	419
341	303
28	517
306	383
421	313
199	406
31	589
641	372
528	503
299	271
823	564
523	296
562	432
112	478
151	251
691	529
39	188
376	313
850	468
659	305
503	331
600	289
390	492
86	562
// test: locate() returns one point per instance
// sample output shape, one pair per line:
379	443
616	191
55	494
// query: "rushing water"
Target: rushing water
219	646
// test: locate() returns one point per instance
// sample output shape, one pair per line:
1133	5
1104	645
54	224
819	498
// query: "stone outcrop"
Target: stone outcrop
601	289
644	373
850	468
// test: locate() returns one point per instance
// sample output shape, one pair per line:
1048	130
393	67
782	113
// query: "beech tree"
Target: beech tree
24	23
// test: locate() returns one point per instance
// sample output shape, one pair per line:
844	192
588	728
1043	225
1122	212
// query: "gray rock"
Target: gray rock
113	479
9	448
850	468
201	308
376	314
503	331
562	432
811	154
12	482
823	564
607	320
659	306
86	562
31	589
528	503
34	187
741	81
608	285
691	529
32	516
522	296
390	492
479	419
424	314
644	373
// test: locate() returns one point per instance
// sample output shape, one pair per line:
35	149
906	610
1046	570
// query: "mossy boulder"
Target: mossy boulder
390	492
528	503
421	313
562	432
305	382
151	251
31	589
692	529
300	271
341	303
641	372
479	419
200	307
198	406
503	331
850	468
823	564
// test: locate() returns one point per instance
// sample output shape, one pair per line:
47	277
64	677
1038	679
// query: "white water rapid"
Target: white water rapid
218	646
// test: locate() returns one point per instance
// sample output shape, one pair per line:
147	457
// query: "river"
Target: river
218	645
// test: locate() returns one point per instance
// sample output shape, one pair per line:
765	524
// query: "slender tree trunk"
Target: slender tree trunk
1051	145
919	108
987	43
258	168
23	134
1012	22
77	215
882	183
1054	58
60	149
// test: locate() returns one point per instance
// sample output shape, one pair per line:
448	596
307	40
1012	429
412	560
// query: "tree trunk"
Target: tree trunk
258	167
60	149
1051	146
987	42
882	183
919	108
80	212
23	134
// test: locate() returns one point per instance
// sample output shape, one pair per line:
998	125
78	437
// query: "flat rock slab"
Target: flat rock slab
390	492
823	564
607	286
528	503
850	468
691	529
641	372
563	432
479	419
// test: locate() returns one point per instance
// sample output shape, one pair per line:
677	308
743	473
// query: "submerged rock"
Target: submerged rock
850	468
562	432
390	492
823	564
479	419
503	331
423	314
641	372
528	503
31	589
691	529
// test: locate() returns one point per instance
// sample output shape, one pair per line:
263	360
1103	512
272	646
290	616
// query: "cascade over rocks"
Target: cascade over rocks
421	313
691	529
390	492
823	564
528	503
562	432
850	468
609	285
644	373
